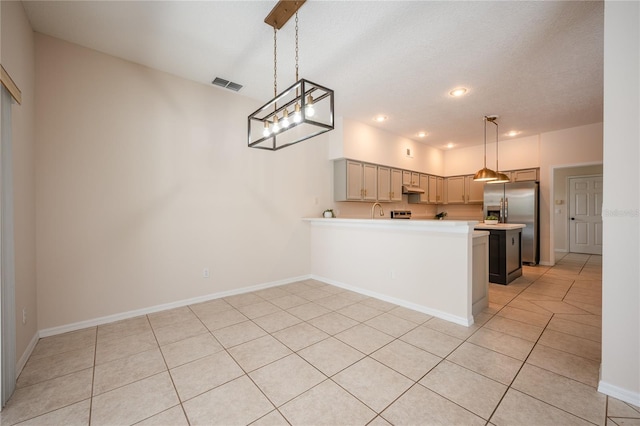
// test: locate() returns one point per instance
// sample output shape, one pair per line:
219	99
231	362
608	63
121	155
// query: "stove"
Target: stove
400	214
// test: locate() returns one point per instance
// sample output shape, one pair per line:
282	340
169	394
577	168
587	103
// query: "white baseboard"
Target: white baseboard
27	353
561	250
619	393
144	311
434	312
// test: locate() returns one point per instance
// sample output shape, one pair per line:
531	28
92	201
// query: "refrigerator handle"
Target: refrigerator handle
506	209
501	218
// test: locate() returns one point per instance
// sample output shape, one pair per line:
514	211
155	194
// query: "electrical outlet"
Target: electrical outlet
205	273
24	316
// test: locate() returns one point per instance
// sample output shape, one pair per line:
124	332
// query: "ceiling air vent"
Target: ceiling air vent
227	84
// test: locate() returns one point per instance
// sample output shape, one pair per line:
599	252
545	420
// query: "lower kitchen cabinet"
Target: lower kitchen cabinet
505	255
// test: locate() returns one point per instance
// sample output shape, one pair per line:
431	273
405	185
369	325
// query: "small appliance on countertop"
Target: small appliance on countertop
400	214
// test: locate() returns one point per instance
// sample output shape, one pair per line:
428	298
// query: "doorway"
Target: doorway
585	215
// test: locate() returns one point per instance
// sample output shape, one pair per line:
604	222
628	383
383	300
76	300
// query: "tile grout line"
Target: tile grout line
522	366
175	389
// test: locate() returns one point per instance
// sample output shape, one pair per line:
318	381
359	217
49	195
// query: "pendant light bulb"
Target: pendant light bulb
276	124
285	119
266	132
297	115
309	111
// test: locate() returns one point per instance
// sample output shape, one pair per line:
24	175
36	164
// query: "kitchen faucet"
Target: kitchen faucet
373	209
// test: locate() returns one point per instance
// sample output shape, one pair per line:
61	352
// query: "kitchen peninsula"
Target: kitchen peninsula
436	267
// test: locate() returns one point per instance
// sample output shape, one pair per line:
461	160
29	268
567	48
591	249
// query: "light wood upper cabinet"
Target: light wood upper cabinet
370	182
396	185
524	175
410	178
464	190
436	190
355	181
384	183
424	184
360	181
474	191
455	190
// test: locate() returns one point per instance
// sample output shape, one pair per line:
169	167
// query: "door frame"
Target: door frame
551	193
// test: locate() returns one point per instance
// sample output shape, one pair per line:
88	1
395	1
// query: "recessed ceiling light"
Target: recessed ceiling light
457	92
380	118
422	134
450	145
513	133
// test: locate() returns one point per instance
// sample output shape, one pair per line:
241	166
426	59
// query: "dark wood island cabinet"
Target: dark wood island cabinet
505	251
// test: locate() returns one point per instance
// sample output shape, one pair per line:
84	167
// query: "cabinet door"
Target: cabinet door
384	183
424	184
474	191
396	185
370	182
354	181
406	178
455	190
440	198
433	189
524	175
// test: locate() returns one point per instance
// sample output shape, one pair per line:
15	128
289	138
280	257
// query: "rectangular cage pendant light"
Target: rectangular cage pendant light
300	112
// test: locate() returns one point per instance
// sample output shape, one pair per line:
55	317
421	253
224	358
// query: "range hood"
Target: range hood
406	189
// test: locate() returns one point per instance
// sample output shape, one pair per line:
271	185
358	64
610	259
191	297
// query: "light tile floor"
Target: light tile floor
311	354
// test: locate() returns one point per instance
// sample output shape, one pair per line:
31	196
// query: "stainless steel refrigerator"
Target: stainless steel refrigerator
517	202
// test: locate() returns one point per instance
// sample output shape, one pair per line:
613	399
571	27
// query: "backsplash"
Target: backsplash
358	209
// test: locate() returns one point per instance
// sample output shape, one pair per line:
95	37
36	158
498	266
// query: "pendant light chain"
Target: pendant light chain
275	63
297	46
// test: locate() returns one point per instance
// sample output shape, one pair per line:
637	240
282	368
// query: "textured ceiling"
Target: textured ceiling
538	65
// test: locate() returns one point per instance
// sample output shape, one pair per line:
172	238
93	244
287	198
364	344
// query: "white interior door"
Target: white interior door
585	215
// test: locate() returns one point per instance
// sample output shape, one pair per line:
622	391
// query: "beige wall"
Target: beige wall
360	141
18	58
521	153
561	194
575	146
144	179
620	372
